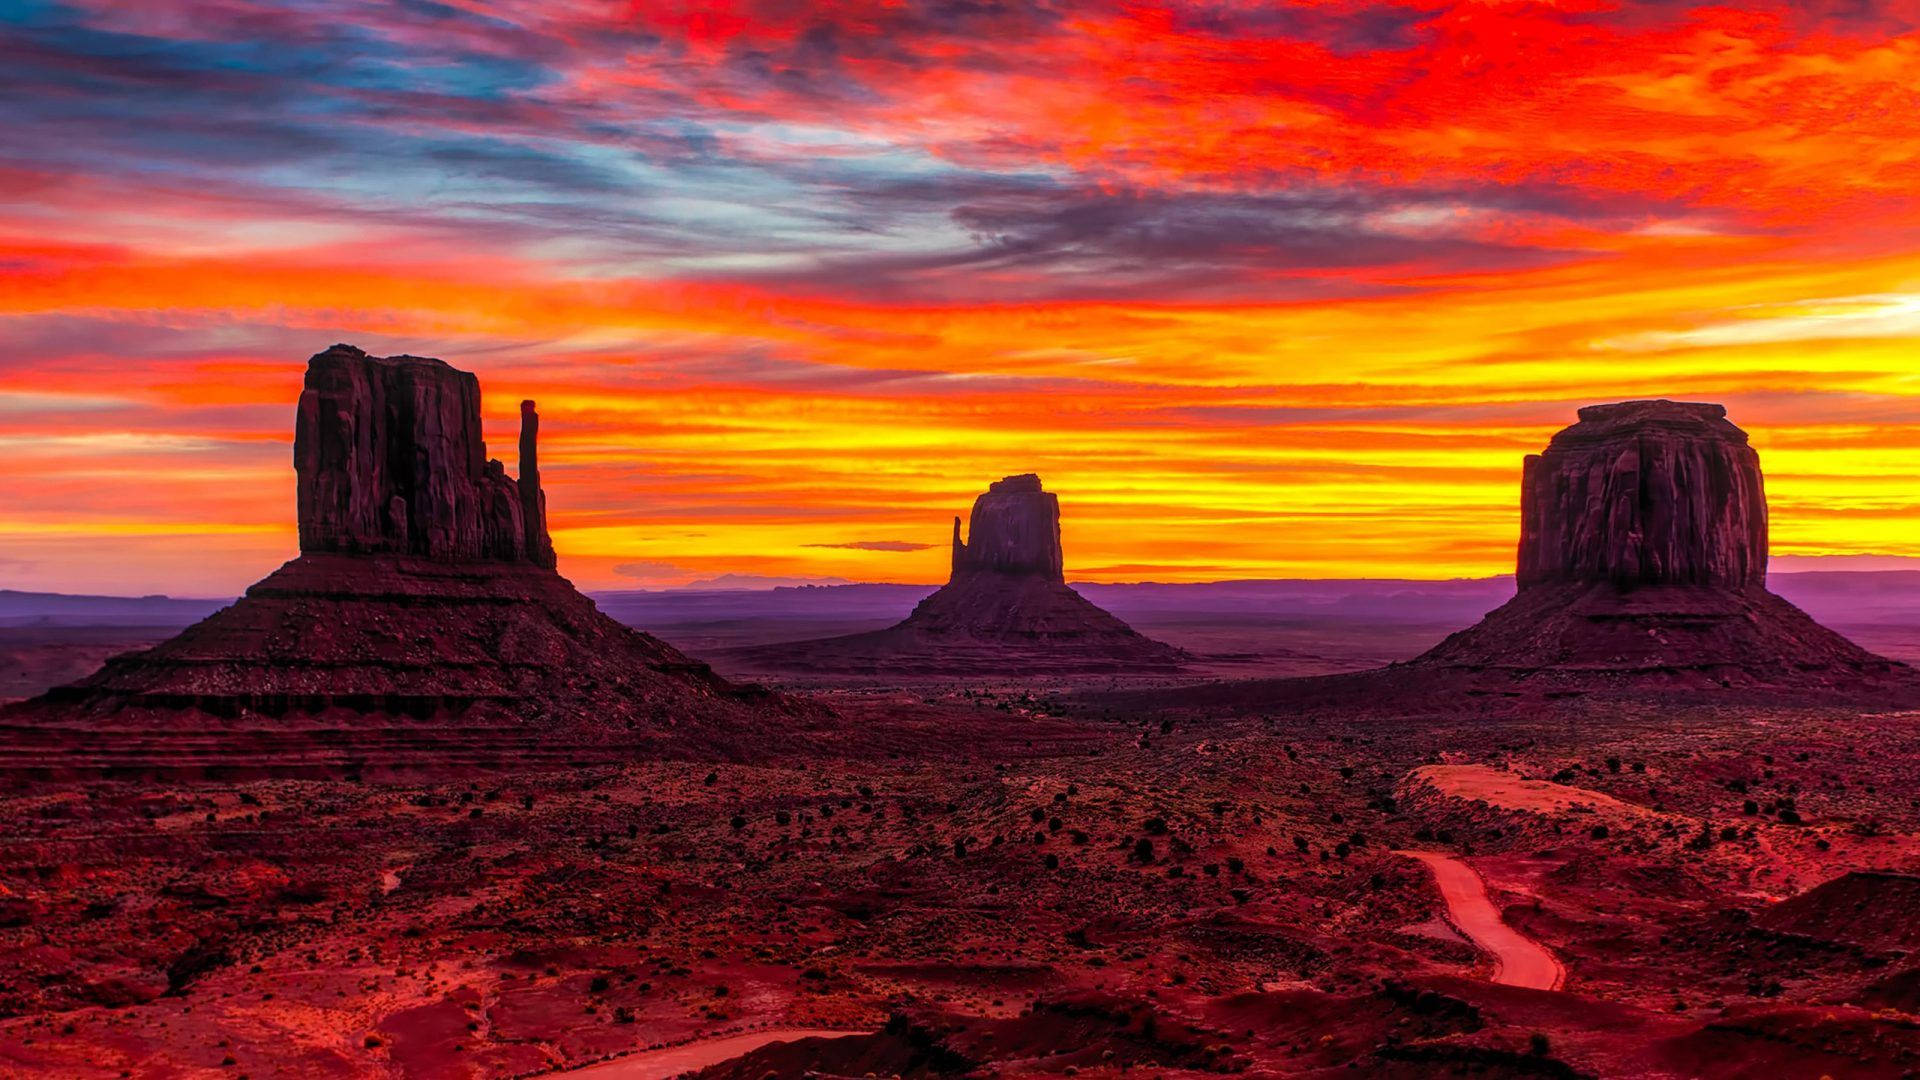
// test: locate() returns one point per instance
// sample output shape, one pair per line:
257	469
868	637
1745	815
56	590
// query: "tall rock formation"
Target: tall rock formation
538	546
1641	570
1645	493
1015	531
422	628
389	460
1643	556
1006	610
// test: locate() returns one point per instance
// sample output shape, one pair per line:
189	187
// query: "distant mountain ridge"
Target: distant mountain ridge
20	608
1846	596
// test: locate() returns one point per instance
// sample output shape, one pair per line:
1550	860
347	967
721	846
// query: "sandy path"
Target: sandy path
672	1061
1518	960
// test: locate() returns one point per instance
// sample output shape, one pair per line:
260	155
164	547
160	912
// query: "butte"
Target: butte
422	629
1641	571
1006	610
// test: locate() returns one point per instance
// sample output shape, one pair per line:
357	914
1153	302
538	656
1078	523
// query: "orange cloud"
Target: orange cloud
1260	292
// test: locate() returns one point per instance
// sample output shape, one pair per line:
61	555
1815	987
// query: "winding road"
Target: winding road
674	1061
1518	960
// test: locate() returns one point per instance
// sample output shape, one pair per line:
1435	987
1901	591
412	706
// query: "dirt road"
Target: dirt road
1518	960
672	1061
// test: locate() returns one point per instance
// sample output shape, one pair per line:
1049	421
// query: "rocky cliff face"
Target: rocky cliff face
1645	493
389	460
1015	530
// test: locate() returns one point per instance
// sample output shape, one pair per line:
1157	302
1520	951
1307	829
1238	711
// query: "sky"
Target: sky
1261	290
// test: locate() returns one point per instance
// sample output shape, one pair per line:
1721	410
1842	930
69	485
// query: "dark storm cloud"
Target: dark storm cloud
1364	28
1031	237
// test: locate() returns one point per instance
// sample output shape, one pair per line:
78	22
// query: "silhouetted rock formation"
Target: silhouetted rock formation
1642	568
1015	530
422	628
390	461
1643	553
538	547
1006	610
1645	493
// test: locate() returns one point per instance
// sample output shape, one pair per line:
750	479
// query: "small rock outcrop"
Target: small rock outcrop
1873	909
1006	610
1645	493
423	628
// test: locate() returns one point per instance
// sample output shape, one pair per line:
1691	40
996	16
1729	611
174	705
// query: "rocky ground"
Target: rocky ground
990	883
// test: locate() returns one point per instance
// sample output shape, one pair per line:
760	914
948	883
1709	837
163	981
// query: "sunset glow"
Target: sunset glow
1260	291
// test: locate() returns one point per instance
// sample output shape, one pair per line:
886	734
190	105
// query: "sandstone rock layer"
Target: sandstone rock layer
423	629
1014	530
1643	554
389	460
1645	493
